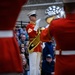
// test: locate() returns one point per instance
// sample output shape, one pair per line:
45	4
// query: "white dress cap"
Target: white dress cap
32	12
68	1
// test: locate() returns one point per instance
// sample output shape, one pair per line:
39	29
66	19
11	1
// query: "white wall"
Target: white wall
40	14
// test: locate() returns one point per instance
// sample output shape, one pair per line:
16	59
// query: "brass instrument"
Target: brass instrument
49	19
54	12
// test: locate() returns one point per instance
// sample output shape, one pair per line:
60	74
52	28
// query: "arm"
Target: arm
45	35
30	31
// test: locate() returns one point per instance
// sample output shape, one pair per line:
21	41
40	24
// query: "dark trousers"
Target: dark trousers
45	73
25	73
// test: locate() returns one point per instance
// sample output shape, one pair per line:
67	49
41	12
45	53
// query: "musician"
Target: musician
63	30
35	55
10	60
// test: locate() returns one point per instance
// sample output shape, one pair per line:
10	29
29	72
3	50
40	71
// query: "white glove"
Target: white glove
37	25
62	14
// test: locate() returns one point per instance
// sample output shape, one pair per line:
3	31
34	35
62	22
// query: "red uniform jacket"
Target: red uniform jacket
10	60
32	34
63	30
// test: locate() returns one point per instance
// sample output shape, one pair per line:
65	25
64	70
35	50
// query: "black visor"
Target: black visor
34	15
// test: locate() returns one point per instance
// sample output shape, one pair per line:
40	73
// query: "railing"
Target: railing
21	23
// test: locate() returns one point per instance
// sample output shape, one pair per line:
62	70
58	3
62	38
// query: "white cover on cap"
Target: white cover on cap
32	12
68	1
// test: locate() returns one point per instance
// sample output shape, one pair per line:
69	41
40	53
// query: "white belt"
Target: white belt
6	33
71	52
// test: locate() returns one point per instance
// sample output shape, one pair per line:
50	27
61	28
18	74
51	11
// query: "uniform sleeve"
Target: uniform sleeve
31	32
45	35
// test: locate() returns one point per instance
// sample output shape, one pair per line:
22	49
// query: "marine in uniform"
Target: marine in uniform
10	60
63	30
34	49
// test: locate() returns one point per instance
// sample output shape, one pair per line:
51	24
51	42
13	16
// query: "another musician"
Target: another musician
63	30
10	60
34	57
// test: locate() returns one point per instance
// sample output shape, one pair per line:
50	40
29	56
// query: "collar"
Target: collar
70	16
